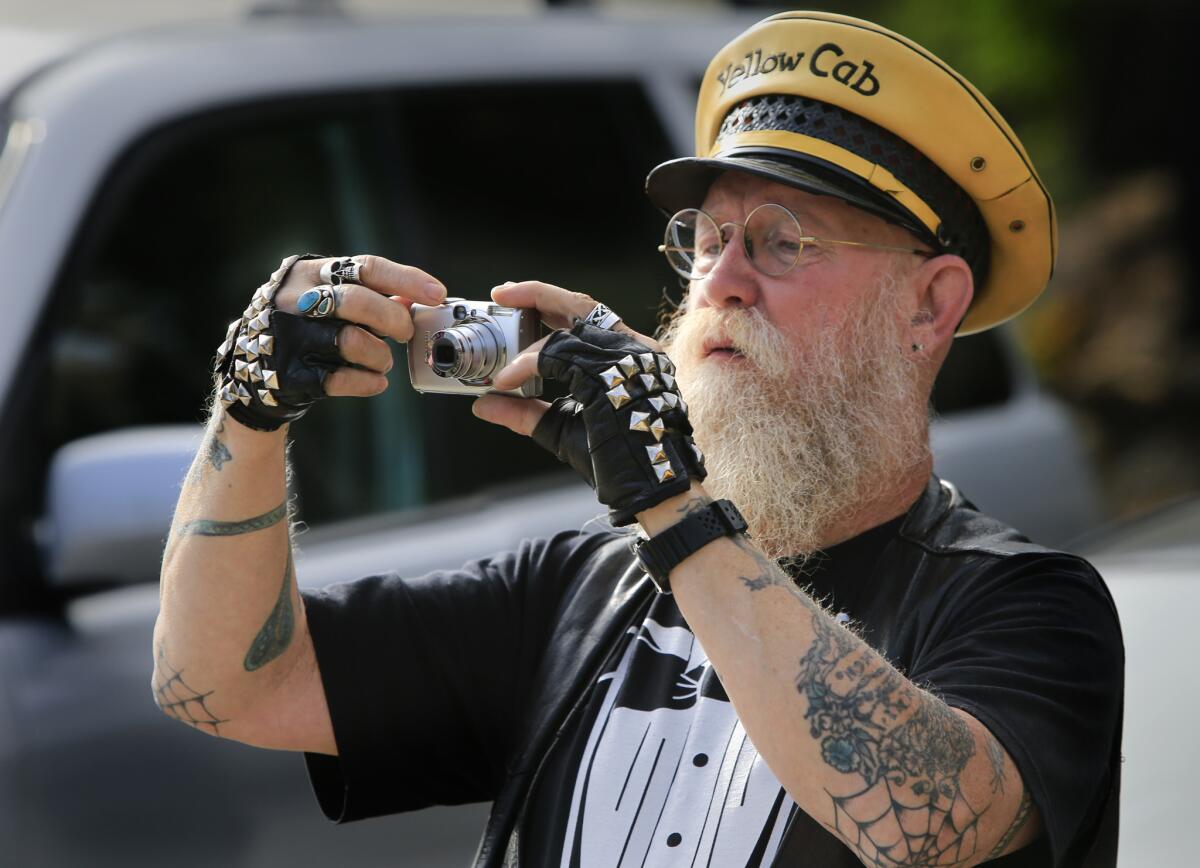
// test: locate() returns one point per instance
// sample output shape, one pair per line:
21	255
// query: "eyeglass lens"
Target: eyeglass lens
772	238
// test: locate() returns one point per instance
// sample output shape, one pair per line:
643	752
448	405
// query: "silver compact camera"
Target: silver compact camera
458	346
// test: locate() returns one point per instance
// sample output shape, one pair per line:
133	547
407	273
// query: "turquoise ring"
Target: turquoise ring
318	303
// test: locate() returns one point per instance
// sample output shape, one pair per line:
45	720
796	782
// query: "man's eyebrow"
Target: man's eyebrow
808	221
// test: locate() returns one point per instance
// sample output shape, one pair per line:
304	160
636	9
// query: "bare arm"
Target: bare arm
858	746
232	653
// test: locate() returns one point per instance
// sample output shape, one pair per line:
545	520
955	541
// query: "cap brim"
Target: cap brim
683	183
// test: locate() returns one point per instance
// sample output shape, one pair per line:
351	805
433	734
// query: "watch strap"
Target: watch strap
663	552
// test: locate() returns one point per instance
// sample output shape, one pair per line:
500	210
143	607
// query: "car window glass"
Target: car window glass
475	185
977	374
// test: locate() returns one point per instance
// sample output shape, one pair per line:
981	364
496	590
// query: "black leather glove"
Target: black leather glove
272	365
625	427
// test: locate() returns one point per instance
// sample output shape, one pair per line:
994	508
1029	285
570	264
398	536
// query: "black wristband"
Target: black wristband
662	553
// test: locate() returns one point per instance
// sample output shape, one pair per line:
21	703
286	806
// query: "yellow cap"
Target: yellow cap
840	106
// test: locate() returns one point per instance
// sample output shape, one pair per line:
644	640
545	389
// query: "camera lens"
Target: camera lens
444	355
470	351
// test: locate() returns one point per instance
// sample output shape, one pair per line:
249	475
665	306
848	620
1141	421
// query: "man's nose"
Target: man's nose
733	281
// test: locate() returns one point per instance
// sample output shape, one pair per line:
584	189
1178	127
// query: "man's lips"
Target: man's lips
721	349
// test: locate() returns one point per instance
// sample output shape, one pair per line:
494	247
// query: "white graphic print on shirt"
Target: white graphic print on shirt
668	775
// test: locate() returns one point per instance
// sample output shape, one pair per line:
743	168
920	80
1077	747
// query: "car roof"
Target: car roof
24	51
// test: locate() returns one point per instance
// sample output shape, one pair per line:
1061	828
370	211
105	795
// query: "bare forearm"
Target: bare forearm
230	614
840	727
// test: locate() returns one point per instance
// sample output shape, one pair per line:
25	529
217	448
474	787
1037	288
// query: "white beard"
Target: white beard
803	437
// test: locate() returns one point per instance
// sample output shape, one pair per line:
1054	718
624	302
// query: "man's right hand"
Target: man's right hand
300	340
233	655
377	308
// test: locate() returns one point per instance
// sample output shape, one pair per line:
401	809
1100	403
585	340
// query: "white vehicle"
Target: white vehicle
148	182
1152	567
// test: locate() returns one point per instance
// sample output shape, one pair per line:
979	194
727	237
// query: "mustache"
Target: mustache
746	330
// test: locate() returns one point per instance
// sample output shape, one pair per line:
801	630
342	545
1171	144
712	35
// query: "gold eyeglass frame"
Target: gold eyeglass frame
666	249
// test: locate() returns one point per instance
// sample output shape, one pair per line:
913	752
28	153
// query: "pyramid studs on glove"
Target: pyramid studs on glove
270	379
252	349
658	404
266	344
243	344
259	324
667	380
665	365
612	377
683	406
664	471
671	399
657	454
232	331
639	422
241	369
649	383
618	396
226	396
243	394
267	398
628	366
222	351
649	363
254	371
658	429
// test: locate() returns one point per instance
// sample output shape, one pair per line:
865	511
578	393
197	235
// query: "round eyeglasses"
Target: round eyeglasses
771	236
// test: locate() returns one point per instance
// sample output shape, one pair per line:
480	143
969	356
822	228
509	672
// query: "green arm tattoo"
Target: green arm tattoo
769	572
904	750
276	633
1023	811
218	453
907	749
207	527
996	756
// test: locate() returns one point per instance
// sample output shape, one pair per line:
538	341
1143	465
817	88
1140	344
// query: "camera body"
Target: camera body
458	346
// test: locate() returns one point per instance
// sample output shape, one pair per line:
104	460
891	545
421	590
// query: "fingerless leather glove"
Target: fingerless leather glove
625	428
272	365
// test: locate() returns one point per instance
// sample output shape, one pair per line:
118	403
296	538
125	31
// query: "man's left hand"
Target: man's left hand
624	427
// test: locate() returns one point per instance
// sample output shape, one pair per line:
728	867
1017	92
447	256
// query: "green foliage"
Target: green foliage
1019	54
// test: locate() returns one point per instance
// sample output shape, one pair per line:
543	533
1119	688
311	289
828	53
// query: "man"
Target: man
875	673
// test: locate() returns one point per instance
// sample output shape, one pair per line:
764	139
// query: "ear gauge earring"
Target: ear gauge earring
916	348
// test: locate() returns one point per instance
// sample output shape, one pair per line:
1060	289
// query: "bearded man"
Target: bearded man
836	660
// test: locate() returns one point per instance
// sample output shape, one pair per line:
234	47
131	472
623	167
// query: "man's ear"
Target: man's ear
944	288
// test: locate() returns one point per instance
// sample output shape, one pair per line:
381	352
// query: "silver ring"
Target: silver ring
601	317
344	269
318	302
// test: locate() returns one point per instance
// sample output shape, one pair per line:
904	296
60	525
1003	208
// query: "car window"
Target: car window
475	185
977	374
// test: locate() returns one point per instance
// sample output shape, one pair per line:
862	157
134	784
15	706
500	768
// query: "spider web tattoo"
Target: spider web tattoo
908	749
179	700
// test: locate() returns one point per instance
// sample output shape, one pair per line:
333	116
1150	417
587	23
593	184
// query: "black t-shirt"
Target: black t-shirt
428	680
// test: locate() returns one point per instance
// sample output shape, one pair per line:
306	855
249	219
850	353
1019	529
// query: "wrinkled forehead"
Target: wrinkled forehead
733	195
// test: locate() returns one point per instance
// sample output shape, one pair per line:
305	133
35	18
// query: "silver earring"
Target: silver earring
916	348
